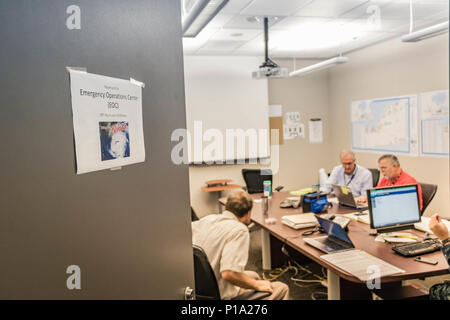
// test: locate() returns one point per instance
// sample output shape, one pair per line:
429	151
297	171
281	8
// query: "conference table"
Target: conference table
341	284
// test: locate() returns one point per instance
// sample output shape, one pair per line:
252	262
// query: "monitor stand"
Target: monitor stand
397	228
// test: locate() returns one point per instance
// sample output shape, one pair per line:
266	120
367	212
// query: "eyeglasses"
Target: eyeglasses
310	232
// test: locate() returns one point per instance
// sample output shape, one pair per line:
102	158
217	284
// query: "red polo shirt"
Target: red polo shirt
403	179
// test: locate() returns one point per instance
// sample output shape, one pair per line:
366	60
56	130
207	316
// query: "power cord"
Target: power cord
307	272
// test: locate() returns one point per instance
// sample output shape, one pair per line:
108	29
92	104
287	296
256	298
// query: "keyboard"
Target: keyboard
330	244
417	248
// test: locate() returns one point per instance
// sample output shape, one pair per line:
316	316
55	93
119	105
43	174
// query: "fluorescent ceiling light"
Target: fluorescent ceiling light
313	35
319	66
197	13
426	33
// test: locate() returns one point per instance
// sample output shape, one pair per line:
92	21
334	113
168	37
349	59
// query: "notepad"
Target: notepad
301	191
364	218
299	221
361	264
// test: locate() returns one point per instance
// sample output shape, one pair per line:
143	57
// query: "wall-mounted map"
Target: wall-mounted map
434	124
386	125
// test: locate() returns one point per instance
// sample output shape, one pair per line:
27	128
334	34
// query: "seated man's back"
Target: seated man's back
226	243
226	240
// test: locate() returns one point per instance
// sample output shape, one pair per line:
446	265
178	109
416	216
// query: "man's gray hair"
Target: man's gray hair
393	159
346	152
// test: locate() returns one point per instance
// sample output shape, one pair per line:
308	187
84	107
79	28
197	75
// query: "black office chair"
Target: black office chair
375	176
254	179
428	193
206	287
194	216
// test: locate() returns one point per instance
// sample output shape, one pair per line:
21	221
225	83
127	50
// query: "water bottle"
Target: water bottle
267	188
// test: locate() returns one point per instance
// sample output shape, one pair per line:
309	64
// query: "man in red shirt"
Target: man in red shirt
393	175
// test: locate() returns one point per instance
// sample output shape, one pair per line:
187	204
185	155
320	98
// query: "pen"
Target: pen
409	237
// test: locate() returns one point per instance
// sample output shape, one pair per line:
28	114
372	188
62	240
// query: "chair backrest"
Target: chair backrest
375	176
254	179
206	287
194	216
428	193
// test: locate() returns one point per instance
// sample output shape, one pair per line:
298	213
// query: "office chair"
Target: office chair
428	193
194	216
206	287
375	176
254	179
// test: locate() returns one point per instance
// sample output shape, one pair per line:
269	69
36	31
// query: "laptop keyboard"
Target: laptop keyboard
330	244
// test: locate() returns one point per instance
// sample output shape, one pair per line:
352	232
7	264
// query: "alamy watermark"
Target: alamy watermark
238	146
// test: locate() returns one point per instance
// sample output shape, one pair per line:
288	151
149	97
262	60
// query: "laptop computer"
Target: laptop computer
335	240
346	198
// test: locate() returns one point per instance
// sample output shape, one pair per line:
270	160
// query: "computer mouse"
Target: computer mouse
331	217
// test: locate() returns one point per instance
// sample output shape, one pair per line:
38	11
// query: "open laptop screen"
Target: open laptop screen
393	206
333	229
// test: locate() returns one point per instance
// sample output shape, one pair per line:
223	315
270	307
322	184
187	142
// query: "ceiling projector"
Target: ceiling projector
269	69
272	70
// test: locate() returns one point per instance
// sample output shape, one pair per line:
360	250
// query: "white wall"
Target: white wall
387	69
221	96
390	69
298	160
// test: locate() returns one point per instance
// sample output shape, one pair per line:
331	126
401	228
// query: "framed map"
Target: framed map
386	125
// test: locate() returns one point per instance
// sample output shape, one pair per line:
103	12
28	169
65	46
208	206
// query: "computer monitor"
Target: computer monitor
393	208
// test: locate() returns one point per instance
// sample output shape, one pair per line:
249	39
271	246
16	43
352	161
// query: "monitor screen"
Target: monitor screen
393	206
333	229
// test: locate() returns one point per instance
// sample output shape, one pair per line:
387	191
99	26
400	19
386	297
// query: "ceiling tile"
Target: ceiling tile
222	45
220	20
367	41
365	10
274	8
235	6
319	28
298	22
421	10
329	8
249	22
236	34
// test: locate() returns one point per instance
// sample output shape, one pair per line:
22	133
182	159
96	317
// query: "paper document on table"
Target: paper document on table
400	237
358	217
361	264
424	225
333	200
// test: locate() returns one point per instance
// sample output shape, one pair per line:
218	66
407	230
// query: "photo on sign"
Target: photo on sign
114	140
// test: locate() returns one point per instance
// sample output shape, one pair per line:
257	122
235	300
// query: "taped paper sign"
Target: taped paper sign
107	121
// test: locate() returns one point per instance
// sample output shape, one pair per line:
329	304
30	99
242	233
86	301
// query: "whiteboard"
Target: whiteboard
222	99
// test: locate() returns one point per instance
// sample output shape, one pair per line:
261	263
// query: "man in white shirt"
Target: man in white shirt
226	240
351	175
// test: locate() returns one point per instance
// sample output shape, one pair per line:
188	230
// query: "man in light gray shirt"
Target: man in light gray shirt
351	175
226	240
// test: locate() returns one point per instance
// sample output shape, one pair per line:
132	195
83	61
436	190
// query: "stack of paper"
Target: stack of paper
361	264
299	221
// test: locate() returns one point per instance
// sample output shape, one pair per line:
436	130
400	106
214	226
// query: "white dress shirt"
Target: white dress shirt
359	181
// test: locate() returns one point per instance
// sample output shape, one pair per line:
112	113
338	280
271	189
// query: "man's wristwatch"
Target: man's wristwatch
445	241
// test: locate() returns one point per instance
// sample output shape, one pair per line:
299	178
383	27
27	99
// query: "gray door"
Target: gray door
127	230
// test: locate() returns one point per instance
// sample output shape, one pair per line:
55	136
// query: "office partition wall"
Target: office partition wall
122	234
